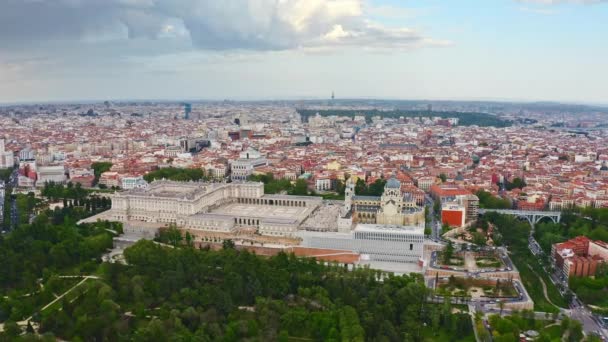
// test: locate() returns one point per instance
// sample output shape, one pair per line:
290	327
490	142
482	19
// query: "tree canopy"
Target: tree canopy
465	118
189	294
176	174
487	201
374	189
99	168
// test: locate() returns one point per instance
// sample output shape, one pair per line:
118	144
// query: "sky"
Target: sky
521	50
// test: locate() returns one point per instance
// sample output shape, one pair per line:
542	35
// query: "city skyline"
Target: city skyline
246	50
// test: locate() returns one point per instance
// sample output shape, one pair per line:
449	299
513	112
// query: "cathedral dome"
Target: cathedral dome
393	183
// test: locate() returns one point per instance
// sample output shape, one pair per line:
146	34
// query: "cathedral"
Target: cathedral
392	208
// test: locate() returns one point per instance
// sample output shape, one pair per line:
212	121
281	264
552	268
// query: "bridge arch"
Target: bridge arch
533	217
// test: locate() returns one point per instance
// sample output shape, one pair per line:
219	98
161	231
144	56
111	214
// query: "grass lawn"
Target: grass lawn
532	282
488	262
555	332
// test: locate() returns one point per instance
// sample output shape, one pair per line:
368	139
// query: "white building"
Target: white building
323	183
26	154
7	158
396	236
132	182
222	207
243	167
217	171
48	174
374	242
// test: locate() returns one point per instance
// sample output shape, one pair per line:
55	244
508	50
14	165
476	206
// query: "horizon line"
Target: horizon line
296	99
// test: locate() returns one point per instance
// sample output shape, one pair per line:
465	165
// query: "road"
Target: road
578	310
581	313
434	224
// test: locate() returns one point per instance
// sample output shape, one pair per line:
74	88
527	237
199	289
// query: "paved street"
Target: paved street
590	323
434	224
578	310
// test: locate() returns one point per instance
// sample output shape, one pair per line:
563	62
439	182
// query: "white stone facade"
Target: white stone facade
7	158
374	242
219	207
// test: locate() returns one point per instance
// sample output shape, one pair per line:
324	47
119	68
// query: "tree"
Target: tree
12	330
180	293
516	183
171	235
228	244
437	207
445	228
478	238
300	188
487	201
501	305
443	177
448	253
176	174
99	168
189	239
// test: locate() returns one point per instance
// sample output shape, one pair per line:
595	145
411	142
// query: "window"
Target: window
411	246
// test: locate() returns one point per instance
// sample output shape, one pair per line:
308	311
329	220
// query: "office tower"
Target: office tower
187	110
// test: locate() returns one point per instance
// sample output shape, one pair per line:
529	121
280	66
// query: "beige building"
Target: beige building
223	207
392	208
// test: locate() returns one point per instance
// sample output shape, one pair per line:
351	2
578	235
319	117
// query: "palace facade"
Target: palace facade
221	207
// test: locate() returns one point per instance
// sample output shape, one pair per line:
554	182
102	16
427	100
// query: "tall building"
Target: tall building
187	110
7	159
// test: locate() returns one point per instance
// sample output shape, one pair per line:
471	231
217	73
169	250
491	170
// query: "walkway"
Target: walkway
85	278
542	282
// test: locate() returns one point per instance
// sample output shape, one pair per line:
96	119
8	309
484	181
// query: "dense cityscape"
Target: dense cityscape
478	209
304	170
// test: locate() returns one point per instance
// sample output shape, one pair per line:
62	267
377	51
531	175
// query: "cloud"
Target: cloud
207	24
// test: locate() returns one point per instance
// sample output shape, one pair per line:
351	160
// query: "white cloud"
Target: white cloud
209	24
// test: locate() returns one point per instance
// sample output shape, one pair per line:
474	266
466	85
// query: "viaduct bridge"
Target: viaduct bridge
533	217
